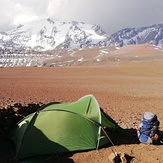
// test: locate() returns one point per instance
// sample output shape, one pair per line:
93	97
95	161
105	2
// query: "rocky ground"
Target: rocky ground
124	90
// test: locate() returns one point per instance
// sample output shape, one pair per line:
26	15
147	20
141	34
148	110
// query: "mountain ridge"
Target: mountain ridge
53	43
48	34
145	35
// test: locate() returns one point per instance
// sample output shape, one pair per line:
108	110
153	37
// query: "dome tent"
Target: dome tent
60	128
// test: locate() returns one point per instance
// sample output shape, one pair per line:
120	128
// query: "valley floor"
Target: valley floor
124	91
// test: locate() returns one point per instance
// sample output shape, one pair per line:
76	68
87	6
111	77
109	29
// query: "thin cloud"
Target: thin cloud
111	15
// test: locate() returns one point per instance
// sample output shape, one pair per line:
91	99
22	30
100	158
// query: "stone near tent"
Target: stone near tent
117	157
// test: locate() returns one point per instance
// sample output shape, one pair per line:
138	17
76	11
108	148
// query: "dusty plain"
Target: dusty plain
124	90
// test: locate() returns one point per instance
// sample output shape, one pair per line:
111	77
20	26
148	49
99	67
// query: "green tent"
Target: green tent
61	128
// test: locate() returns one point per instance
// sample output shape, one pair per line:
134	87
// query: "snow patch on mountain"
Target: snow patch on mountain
146	35
55	43
49	34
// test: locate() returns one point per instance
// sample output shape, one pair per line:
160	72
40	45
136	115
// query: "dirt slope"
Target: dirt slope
123	90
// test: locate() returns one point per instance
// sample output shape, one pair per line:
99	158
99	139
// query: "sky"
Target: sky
111	15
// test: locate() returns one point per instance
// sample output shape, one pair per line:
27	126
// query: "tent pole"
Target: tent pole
109	140
98	141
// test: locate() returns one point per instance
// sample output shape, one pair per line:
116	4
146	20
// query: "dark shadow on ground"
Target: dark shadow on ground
128	136
6	147
64	158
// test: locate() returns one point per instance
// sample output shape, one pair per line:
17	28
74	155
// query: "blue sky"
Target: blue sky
111	15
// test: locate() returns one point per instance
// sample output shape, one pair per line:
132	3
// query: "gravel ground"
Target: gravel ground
124	91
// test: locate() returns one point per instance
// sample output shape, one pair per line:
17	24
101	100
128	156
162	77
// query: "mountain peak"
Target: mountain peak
47	34
50	21
144	35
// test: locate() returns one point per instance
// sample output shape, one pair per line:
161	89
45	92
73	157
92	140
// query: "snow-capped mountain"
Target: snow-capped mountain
49	34
145	35
51	42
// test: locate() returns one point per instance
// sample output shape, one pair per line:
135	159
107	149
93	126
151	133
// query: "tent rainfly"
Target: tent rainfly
60	128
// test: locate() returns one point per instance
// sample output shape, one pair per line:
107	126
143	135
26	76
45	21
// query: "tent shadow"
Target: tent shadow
64	158
6	150
128	136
